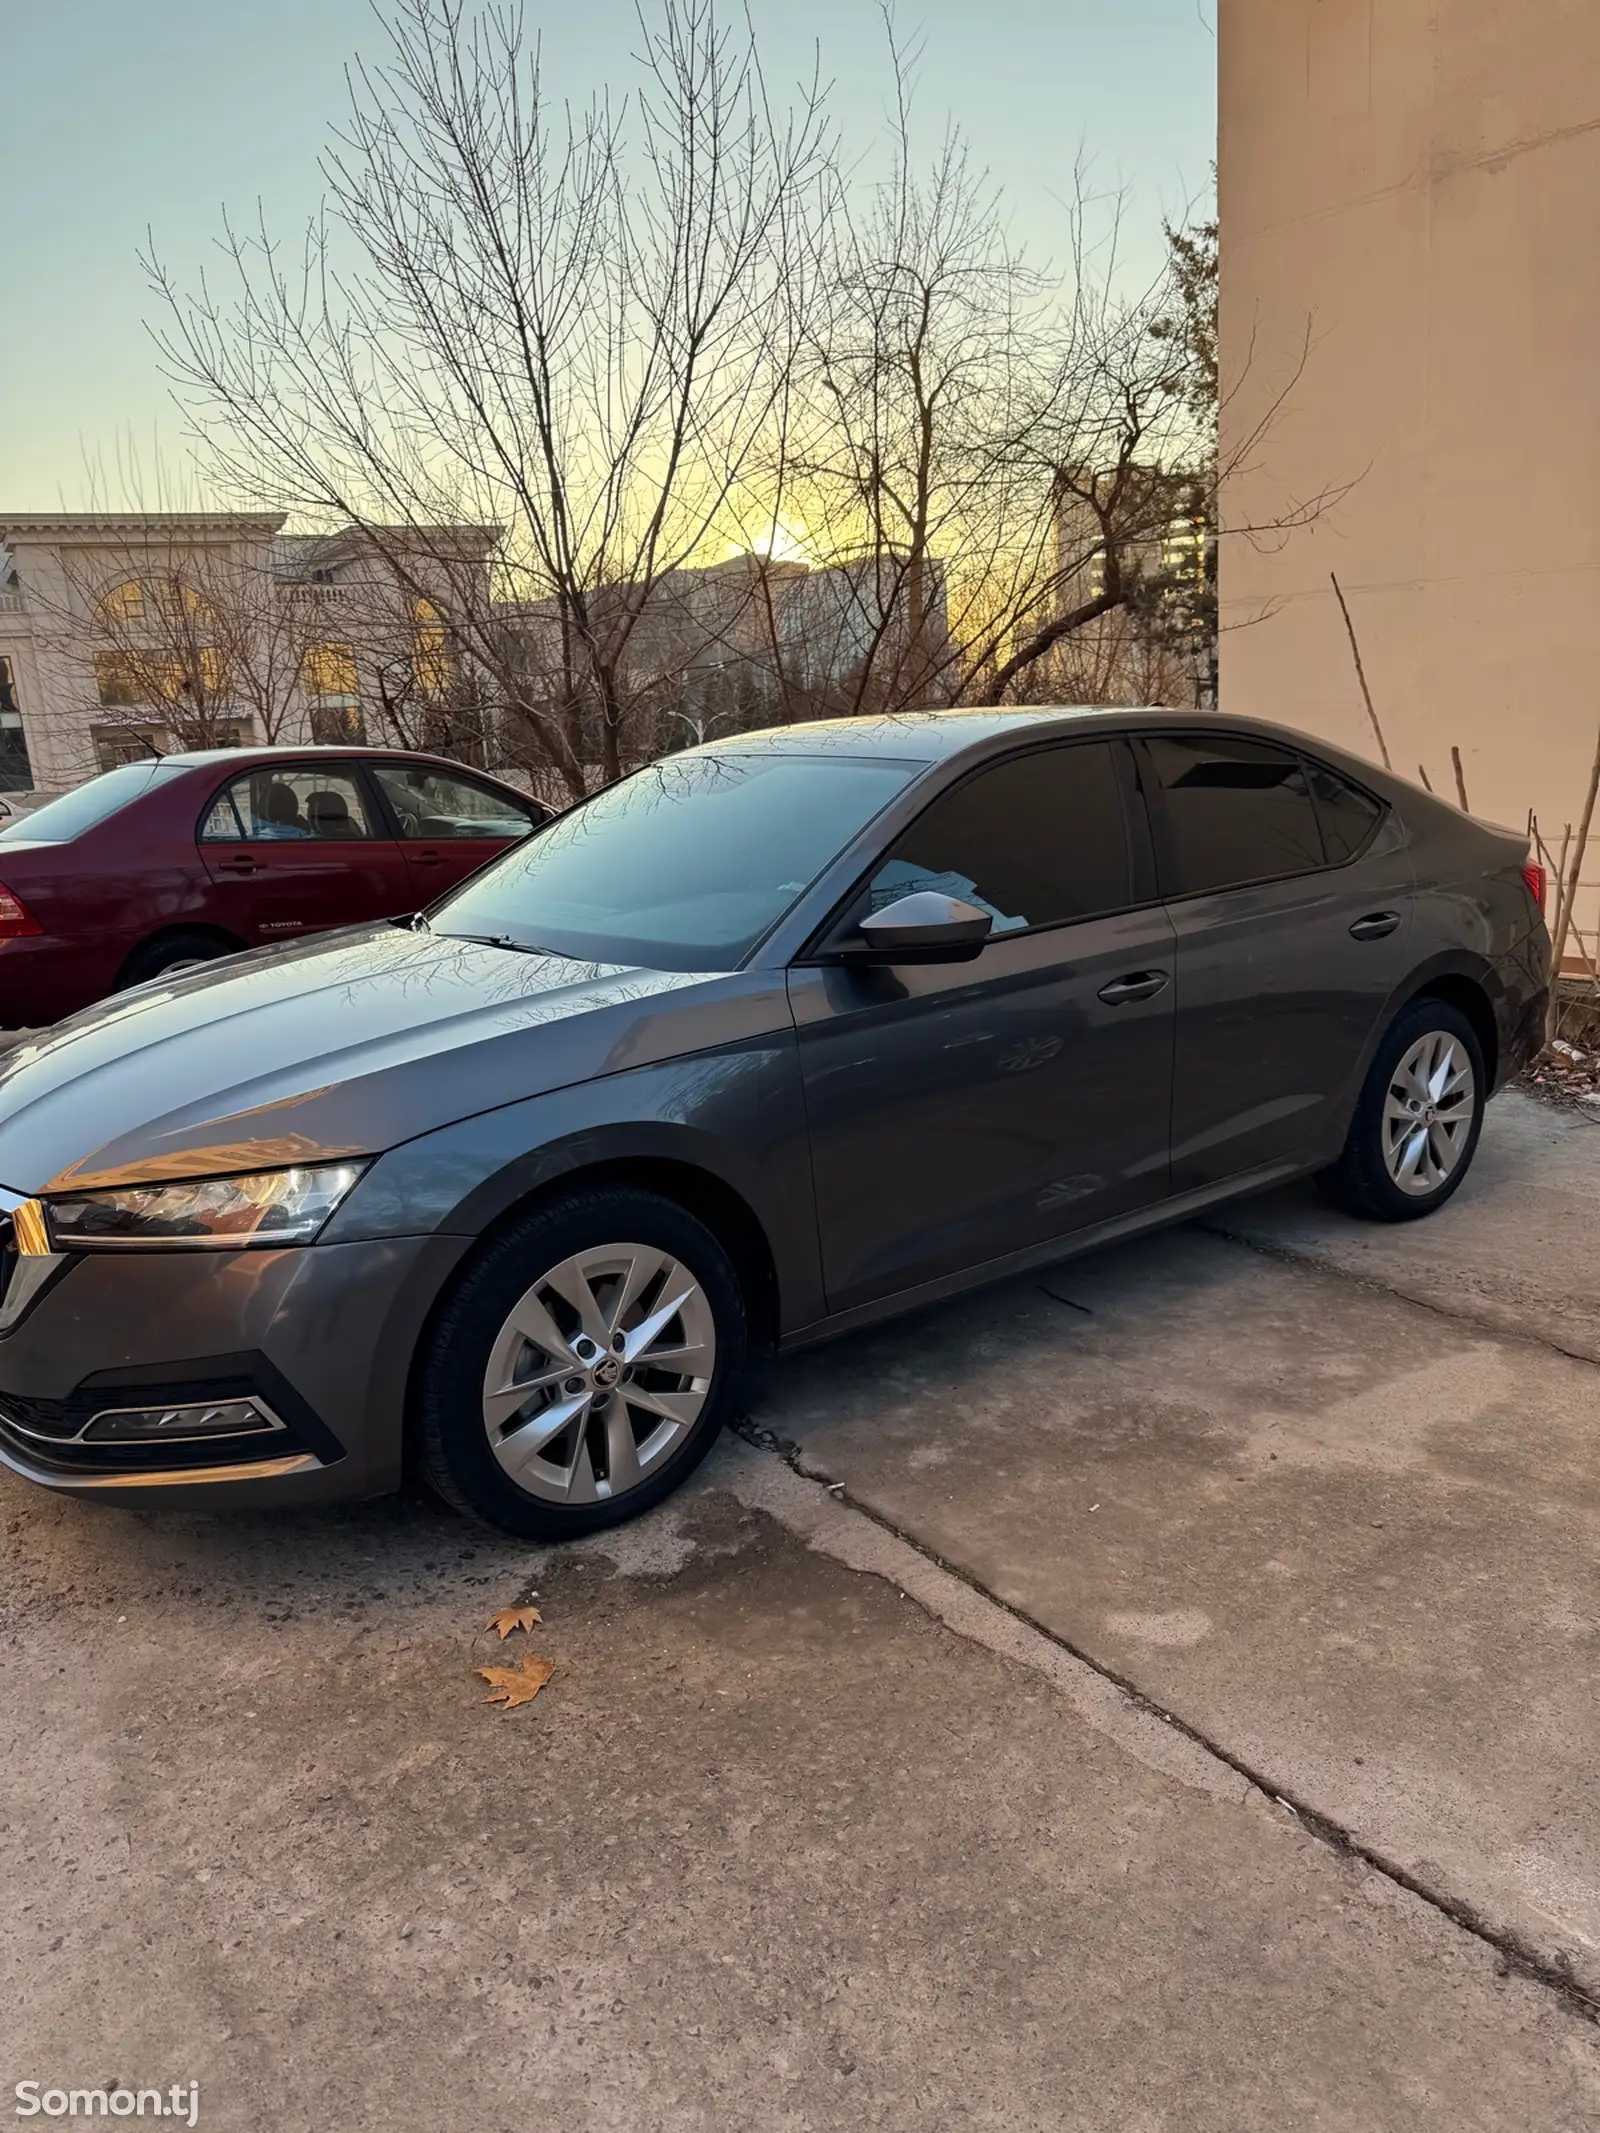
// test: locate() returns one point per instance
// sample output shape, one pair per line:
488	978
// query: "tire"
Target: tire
1392	1170
544	1466
170	952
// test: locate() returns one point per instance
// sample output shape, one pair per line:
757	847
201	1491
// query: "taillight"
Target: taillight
14	918
1534	875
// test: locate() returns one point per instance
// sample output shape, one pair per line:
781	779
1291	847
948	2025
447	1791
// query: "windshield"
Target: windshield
683	866
59	821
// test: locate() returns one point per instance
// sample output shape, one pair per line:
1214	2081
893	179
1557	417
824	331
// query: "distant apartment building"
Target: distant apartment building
1410	215
123	635
1160	647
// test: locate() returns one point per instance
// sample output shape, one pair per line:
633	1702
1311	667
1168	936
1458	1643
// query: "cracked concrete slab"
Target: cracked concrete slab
804	1834
1351	1540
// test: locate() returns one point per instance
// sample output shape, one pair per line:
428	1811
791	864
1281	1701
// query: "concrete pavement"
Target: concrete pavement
776	1849
1517	1250
811	1831
1349	1537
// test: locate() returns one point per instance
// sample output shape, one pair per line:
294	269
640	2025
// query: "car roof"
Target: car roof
199	758
933	736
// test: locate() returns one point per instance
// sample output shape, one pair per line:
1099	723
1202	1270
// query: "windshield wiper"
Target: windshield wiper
419	922
492	940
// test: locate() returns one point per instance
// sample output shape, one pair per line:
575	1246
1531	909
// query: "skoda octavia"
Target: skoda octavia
769	1040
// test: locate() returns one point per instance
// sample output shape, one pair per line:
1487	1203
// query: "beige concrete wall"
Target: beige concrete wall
1410	207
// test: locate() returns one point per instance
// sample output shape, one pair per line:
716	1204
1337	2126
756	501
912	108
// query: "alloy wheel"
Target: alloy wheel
599	1373
1428	1113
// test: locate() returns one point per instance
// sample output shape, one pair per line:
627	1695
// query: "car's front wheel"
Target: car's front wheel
582	1367
1416	1126
169	953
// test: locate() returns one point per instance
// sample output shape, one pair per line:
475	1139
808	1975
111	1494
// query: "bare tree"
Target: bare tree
574	326
639	335
989	458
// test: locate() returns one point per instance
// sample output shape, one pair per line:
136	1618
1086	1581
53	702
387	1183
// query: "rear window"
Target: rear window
59	821
1347	814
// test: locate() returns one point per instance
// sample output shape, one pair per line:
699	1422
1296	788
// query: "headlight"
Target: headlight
218	1214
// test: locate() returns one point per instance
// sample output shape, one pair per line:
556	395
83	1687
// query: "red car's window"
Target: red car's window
432	804
59	821
278	804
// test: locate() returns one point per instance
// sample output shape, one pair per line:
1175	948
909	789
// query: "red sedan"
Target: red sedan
154	866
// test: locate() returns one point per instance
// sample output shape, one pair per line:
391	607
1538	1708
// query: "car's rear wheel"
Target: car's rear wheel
582	1367
1416	1126
169	953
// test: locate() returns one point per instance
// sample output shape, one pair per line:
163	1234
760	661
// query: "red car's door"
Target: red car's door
297	847
449	823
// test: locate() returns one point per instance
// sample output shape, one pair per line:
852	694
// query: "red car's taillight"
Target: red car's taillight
14	918
1534	875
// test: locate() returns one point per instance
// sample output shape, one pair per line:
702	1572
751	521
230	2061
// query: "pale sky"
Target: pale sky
118	117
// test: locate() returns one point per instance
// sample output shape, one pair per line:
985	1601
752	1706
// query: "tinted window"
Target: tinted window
683	866
59	821
431	804
1236	811
1033	841
283	805
1347	814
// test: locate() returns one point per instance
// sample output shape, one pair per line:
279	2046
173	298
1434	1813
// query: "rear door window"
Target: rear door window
292	803
1231	812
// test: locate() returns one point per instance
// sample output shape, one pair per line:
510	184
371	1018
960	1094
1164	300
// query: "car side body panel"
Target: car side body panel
1277	1006
961	1111
734	1118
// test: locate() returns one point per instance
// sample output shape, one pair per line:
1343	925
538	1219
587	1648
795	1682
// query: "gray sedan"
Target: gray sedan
772	1039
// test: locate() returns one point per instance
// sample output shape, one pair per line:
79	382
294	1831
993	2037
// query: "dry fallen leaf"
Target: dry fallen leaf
510	1686
510	1618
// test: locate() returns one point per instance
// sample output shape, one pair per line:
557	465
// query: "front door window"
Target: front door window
1036	841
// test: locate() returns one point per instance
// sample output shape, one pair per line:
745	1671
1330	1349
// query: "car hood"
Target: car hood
339	1048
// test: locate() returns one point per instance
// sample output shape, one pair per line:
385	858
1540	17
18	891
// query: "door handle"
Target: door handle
1139	985
426	859
1374	926
239	866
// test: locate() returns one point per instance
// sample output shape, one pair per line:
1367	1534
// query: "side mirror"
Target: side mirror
925	927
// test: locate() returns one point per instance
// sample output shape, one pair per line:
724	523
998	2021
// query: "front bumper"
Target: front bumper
325	1334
